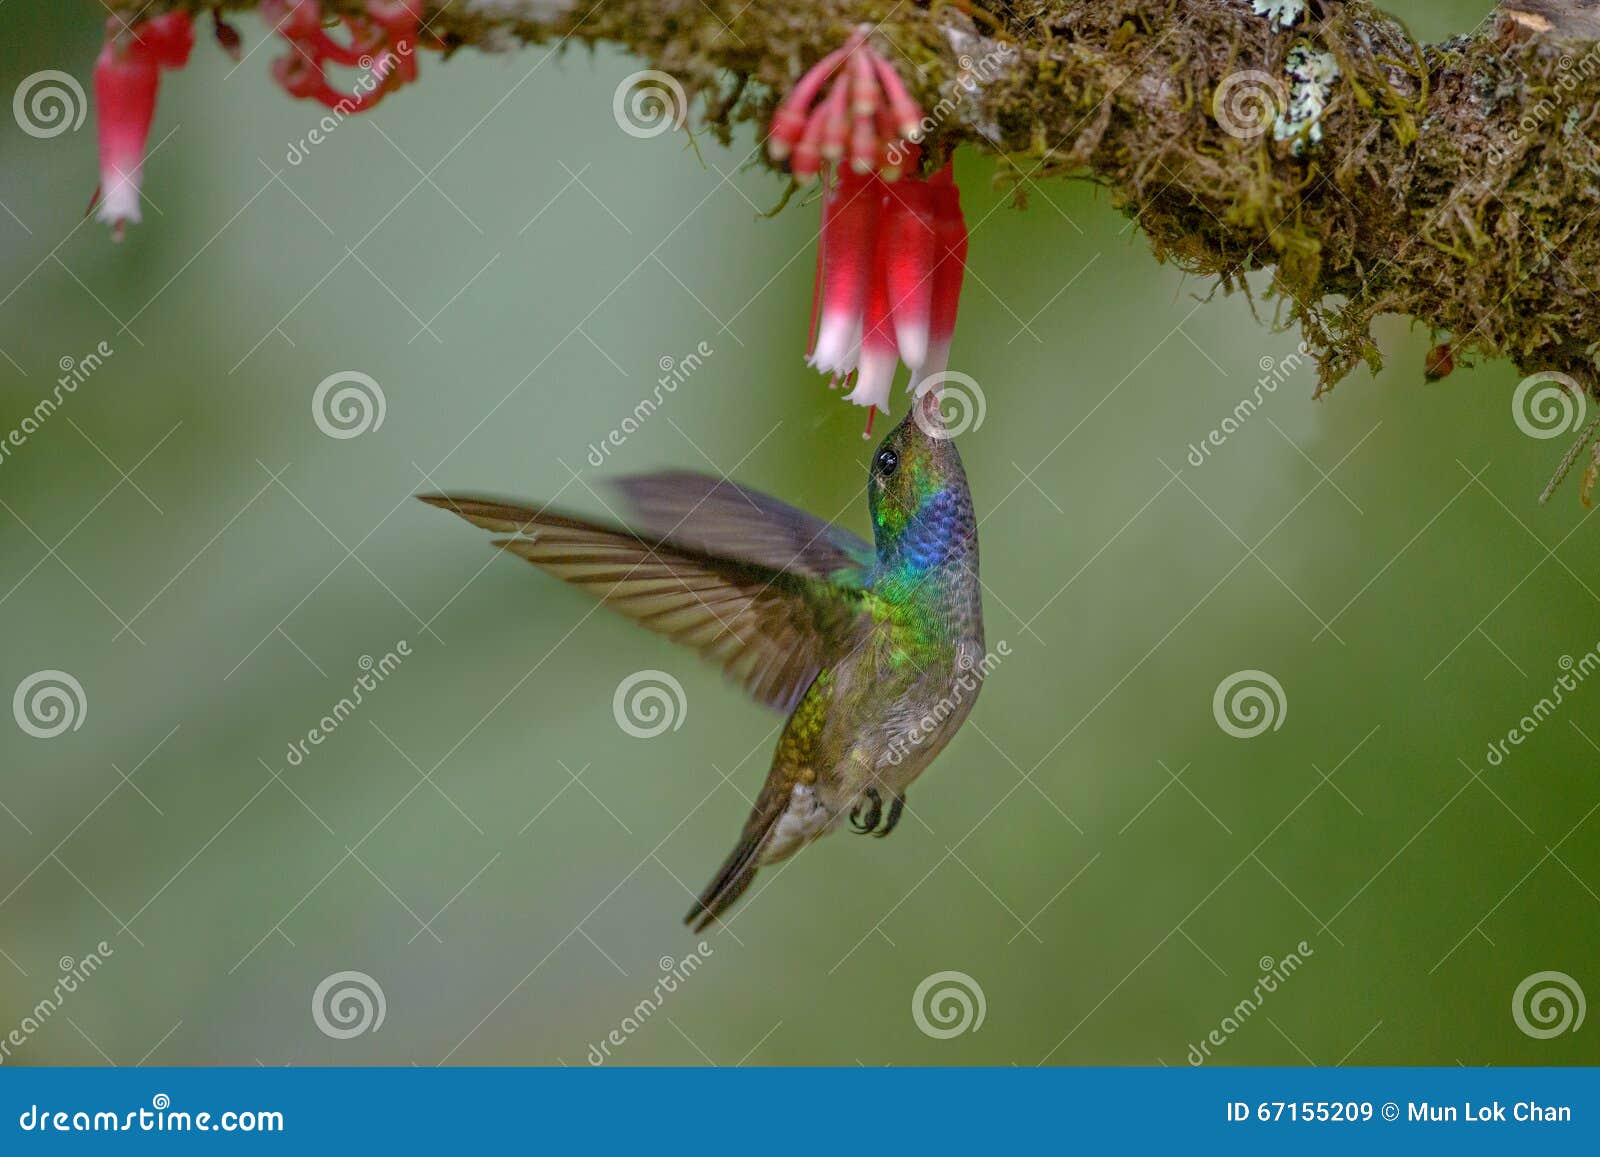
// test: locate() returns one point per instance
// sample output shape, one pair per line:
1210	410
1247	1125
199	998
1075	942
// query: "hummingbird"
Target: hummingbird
871	649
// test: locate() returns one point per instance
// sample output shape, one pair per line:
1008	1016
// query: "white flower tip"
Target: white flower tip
912	340
838	343
119	202
872	384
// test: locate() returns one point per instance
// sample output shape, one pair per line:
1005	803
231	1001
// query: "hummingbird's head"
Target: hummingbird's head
916	488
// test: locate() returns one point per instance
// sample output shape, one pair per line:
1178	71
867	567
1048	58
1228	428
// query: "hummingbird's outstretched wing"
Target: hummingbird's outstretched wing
723	518
771	627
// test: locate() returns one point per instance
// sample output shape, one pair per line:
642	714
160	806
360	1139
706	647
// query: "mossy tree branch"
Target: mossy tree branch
1455	183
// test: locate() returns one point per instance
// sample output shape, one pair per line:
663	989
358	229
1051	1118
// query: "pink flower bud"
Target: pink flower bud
853	123
127	76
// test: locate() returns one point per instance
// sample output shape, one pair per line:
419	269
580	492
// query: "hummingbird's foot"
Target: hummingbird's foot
866	818
874	812
896	806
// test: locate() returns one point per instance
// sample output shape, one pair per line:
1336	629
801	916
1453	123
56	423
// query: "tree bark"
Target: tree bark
1456	183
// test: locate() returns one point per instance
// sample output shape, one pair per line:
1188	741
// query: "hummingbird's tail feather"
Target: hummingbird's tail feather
735	876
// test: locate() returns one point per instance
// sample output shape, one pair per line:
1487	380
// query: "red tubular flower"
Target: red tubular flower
126	78
950	245
889	271
909	256
856	120
879	358
892	255
383	41
850	211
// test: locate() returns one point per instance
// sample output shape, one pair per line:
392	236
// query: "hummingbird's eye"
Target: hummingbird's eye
885	462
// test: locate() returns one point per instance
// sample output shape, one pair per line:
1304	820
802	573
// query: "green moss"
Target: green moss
1456	183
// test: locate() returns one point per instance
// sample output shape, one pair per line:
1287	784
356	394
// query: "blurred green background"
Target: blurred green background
512	268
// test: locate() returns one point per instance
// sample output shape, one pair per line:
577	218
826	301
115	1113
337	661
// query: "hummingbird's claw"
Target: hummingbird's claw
865	824
868	823
896	806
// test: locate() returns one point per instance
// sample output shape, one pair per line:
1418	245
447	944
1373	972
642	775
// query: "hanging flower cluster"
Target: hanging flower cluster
383	41
126	77
889	270
866	117
893	252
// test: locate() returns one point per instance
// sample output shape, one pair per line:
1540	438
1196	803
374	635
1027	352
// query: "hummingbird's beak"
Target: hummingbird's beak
925	411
